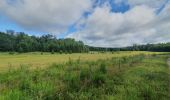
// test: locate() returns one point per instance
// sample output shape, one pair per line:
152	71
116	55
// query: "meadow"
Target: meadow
92	76
43	60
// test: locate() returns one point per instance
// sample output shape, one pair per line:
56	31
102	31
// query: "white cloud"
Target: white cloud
150	3
45	15
140	24
106	28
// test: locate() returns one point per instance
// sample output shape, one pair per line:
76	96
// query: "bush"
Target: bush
72	81
11	53
61	51
103	68
98	79
70	51
66	52
85	74
20	50
70	61
25	84
42	53
78	60
52	52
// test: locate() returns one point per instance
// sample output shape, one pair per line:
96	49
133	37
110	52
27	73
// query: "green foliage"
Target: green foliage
61	51
98	79
20	50
70	51
146	79
11	53
160	47
103	68
21	42
85	75
52	52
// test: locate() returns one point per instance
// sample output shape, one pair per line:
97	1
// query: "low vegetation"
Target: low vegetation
43	59
130	77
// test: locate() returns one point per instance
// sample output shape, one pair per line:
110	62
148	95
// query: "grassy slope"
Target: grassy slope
37	60
149	80
127	78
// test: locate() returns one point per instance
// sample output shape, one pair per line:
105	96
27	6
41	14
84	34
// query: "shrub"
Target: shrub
52	52
14	94
72	81
61	51
70	61
20	50
11	53
98	79
78	60
42	53
70	51
66	52
85	74
124	60
103	68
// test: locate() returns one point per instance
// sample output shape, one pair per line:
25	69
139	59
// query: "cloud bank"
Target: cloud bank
146	21
139	25
45	15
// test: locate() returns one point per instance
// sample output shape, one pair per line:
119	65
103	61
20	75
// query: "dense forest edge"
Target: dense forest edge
10	41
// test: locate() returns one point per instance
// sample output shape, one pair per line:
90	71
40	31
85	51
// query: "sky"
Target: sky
104	23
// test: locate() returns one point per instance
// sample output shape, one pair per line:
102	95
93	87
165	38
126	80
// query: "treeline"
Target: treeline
21	42
161	47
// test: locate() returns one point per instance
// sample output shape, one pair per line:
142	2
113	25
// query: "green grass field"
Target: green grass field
109	76
35	59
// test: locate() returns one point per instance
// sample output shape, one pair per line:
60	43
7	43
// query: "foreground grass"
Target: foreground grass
138	77
43	60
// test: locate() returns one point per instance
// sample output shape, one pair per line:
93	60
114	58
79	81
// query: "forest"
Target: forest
160	47
21	42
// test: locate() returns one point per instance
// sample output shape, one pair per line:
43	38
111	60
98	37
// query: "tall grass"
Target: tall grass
138	77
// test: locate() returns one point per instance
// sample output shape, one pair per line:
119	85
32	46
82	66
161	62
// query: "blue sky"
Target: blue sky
112	23
9	24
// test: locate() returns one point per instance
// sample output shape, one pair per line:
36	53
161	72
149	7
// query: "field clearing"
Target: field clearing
137	77
36	59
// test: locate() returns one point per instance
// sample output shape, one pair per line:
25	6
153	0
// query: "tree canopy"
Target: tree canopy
22	42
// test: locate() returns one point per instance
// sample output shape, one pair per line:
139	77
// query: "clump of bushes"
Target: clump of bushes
11	53
21	50
42	53
85	74
98	79
103	68
52	52
61	52
70	51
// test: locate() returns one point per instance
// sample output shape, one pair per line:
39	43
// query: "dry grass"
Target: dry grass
35	59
